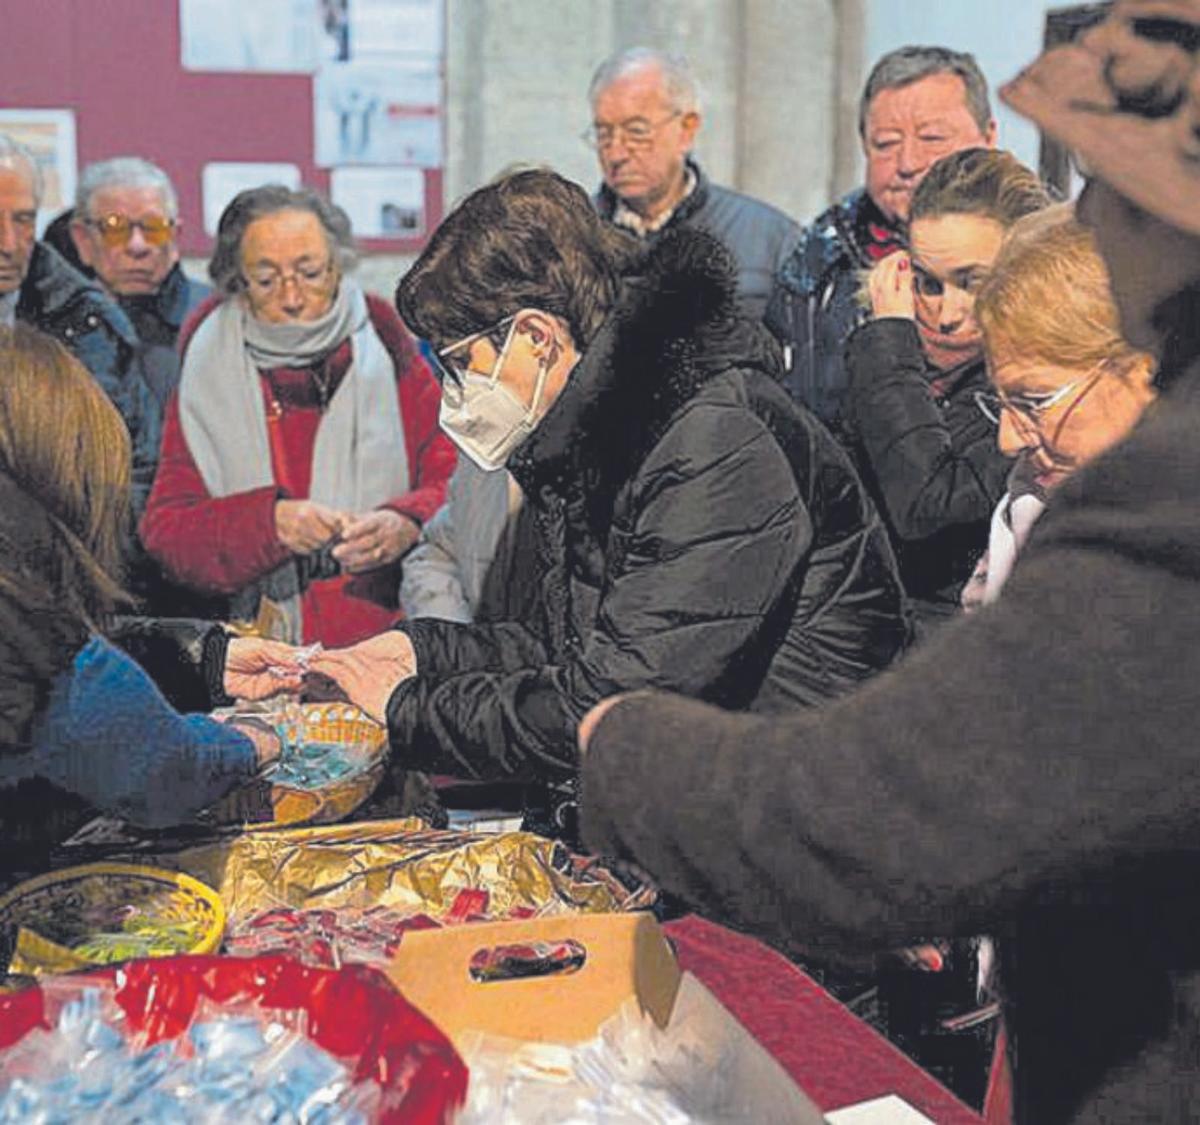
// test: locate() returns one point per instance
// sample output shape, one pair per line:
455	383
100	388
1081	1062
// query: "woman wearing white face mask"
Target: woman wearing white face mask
694	528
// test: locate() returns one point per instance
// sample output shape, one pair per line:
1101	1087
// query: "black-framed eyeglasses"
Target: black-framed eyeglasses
636	132
444	368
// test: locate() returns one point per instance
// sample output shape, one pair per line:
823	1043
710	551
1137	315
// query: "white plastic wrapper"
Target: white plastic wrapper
703	1068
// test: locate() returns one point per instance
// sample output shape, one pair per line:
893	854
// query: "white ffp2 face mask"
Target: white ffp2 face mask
484	418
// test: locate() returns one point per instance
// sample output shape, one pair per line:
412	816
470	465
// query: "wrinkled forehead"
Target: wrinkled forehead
128	199
284	236
16	177
1182	11
933	95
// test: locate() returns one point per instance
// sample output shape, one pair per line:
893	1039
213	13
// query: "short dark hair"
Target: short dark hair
907	65
225	267
980	181
531	239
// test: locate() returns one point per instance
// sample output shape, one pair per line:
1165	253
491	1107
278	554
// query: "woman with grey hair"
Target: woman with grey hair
301	453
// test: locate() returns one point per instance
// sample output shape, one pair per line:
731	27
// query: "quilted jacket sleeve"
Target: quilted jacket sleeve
934	466
693	569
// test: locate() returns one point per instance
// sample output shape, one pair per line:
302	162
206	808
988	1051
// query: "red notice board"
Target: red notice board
116	63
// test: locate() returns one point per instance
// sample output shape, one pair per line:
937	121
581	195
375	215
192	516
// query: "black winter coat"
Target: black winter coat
696	531
928	455
1031	772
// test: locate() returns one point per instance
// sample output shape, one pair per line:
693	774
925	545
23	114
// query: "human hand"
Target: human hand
591	720
890	284
256	668
303	526
267	743
374	540
370	671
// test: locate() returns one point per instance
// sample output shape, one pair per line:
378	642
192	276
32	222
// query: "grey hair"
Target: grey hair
225	268
680	85
125	171
13	152
907	65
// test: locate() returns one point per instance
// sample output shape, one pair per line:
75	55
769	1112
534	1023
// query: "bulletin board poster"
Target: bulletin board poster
375	80
50	135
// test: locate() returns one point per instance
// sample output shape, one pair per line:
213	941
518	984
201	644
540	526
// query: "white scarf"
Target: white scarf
1012	521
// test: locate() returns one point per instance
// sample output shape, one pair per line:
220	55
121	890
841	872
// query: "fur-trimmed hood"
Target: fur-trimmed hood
674	328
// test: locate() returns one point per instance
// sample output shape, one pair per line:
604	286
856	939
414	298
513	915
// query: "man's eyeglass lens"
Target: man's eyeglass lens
636	133
116	230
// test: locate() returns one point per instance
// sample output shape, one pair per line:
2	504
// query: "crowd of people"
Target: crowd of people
840	579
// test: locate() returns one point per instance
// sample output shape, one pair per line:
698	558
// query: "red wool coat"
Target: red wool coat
220	545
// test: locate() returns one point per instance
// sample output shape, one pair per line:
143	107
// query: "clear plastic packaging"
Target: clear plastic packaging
703	1067
231	1065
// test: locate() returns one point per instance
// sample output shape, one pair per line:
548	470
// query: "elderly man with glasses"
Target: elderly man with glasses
645	117
38	287
125	228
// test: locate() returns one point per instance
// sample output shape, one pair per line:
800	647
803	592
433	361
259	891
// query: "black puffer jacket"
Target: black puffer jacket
696	530
928	455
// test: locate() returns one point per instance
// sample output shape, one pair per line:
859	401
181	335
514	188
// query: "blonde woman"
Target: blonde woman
1067	386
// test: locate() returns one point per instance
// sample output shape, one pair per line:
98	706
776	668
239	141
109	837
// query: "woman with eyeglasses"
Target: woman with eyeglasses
1067	386
694	528
301	452
923	446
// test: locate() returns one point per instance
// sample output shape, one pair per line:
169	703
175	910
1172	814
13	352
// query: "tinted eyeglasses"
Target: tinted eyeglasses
116	230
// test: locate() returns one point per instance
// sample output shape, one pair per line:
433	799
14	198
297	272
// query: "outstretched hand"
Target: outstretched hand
371	670
257	669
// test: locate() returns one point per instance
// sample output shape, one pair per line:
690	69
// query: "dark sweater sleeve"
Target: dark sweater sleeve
184	657
1001	760
697	572
110	737
934	467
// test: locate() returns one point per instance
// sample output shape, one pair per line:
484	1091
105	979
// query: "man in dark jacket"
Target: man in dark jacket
125	229
37	286
919	104
645	117
694	527
1032	771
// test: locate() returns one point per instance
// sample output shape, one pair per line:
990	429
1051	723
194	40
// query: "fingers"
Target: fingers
356	558
890	286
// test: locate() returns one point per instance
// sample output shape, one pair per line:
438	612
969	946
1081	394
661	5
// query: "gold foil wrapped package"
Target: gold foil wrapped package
400	865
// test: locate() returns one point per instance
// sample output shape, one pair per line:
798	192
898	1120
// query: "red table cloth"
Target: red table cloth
835	1058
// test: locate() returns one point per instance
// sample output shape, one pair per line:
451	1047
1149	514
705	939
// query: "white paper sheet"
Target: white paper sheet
378	113
381	202
50	135
221	181
889	1110
255	35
